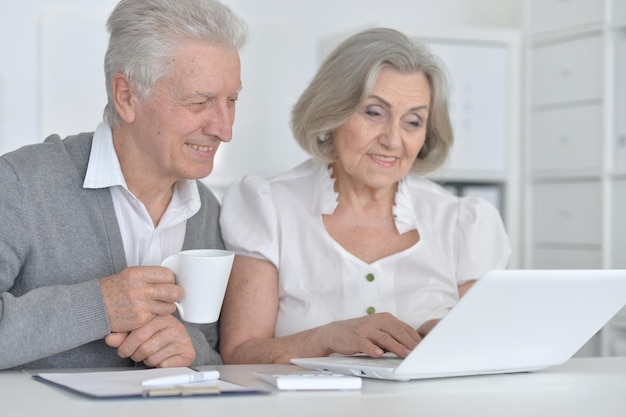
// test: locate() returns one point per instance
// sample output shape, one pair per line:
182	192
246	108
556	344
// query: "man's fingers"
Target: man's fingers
167	293
162	342
158	275
137	294
136	340
115	339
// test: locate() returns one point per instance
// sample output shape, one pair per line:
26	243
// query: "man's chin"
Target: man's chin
198	171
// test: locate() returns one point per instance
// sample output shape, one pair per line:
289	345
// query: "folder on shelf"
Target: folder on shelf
620	145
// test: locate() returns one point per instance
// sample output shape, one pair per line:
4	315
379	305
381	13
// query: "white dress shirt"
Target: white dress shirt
280	220
144	244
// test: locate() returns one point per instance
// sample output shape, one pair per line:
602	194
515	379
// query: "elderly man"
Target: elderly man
85	221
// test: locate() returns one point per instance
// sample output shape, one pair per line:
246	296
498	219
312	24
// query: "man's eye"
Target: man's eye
197	106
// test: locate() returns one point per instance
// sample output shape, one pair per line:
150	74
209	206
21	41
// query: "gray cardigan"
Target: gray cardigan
56	240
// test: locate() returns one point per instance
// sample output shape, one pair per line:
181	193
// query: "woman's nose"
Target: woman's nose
391	136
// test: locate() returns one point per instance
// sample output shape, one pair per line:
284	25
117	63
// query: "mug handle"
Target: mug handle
171	262
181	311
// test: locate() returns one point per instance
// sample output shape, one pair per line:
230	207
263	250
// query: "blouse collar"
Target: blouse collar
403	211
328	197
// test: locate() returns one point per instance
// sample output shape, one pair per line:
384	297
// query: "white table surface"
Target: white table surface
589	387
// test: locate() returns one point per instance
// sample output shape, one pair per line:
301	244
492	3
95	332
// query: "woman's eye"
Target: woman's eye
414	121
373	111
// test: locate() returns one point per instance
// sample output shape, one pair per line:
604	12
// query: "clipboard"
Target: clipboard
112	384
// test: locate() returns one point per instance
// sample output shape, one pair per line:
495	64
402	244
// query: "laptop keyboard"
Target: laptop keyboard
385	361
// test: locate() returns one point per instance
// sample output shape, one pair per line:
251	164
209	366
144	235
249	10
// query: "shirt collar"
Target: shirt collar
104	168
104	171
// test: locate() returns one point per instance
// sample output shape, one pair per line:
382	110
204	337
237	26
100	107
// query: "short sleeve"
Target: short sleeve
248	220
483	244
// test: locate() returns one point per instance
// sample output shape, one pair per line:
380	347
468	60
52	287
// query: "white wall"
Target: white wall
279	60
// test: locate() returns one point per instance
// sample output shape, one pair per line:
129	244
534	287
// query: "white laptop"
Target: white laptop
509	321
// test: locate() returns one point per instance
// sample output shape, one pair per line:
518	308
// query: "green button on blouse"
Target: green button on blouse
371	310
369	277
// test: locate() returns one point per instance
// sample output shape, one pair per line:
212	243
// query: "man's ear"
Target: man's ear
124	98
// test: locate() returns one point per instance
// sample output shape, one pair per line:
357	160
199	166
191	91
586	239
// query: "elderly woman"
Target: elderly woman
354	251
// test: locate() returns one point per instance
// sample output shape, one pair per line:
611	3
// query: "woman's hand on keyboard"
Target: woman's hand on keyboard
427	326
372	335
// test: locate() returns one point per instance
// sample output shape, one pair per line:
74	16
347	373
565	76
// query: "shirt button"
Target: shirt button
369	277
371	310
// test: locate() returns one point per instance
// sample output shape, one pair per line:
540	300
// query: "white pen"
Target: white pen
181	379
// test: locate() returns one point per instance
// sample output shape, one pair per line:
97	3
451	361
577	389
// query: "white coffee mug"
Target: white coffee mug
203	274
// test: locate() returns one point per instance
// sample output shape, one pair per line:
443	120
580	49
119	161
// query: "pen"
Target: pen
181	379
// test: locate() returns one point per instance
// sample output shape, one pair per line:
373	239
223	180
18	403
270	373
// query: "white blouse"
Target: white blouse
280	220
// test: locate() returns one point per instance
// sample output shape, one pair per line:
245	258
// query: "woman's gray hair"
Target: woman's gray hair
346	78
144	36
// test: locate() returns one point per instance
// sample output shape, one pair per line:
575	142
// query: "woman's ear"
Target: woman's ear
123	97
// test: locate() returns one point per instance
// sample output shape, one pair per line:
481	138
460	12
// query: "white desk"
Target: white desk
581	387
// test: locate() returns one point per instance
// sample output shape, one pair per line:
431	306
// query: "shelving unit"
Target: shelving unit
484	70
575	152
484	75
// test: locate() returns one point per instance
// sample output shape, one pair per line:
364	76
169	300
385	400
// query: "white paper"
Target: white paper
111	384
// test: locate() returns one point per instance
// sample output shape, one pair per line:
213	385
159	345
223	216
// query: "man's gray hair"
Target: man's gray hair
144	36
